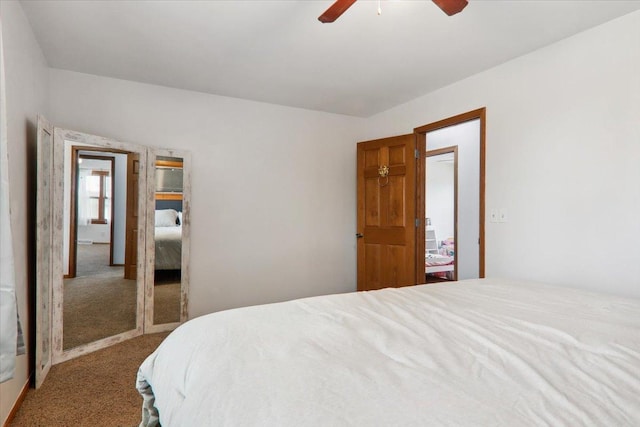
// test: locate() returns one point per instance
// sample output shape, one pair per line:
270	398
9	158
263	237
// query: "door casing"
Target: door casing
421	140
415	196
73	217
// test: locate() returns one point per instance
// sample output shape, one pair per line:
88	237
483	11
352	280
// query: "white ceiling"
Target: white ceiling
278	52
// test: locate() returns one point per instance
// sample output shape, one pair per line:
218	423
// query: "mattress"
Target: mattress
469	353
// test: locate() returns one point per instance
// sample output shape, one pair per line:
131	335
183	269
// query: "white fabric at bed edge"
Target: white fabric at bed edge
478	352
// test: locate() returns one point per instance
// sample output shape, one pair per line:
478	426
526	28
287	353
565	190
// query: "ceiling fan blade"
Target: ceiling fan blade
336	9
451	7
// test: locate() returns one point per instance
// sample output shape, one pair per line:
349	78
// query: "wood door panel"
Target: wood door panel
385	235
372	203
372	158
385	266
386	213
396	203
397	155
394	259
131	226
131	255
373	267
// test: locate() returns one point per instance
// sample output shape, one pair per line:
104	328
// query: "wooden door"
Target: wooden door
131	227
387	213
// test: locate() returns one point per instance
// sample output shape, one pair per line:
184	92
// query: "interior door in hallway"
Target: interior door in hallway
131	238
386	212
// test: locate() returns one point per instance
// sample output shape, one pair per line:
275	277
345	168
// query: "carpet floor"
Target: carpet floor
100	303
93	390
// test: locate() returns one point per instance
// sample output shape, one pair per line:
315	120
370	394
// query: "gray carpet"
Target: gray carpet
93	260
99	302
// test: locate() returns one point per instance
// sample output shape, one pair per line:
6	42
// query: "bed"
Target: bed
470	353
436	263
168	239
440	261
168	248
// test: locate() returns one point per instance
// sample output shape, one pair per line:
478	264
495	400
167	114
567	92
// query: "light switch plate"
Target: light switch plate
493	215
502	215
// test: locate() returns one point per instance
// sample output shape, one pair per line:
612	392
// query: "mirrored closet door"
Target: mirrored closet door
441	213
96	243
168	199
98	240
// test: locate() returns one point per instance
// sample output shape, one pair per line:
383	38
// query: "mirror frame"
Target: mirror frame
153	153
44	277
50	245
421	145
57	284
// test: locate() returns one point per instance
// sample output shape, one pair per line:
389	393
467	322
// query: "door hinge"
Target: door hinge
417	222
417	153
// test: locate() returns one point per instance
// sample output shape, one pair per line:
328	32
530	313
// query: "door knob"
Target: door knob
359	235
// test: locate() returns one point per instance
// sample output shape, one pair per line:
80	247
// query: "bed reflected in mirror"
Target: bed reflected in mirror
169	199
168	239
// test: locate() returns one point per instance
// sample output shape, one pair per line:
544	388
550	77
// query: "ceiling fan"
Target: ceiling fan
450	7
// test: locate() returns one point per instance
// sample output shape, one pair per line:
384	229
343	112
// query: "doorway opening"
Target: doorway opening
100	300
94	213
450	245
441	214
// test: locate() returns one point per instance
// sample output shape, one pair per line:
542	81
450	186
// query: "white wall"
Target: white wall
563	149
440	197
466	136
273	209
26	85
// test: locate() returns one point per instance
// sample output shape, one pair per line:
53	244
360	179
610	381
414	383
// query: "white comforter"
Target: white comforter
474	353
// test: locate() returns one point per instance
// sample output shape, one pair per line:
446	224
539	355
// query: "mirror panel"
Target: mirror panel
168	239
167	230
99	291
99	298
95	243
441	215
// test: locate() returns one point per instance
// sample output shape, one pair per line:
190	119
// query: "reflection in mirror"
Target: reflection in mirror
440	212
100	243
168	237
